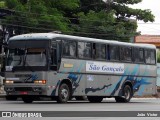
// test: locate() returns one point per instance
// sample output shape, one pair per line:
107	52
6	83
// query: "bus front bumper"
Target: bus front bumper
25	90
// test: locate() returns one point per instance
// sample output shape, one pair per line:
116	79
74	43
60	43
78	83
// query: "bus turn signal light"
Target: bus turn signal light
40	81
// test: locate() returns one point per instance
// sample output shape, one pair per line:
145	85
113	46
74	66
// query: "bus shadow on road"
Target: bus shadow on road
75	102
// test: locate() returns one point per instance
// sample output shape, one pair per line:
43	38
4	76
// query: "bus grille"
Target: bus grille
23	89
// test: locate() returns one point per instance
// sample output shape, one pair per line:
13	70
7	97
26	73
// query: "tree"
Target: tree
37	16
110	19
122	10
92	18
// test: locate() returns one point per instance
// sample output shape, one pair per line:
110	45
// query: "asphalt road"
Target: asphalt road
149	104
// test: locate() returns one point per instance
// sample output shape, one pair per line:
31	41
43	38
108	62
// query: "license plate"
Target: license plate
24	93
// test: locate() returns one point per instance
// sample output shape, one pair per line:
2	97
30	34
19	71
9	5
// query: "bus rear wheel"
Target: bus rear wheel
63	93
95	99
127	95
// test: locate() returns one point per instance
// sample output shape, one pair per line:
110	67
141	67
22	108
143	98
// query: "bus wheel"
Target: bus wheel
95	99
127	95
63	93
27	99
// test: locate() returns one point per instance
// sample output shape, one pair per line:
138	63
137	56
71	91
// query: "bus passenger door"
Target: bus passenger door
55	55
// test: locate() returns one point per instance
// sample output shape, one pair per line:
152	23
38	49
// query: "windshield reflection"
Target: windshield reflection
27	57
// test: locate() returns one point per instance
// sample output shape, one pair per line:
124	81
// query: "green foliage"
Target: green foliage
2	4
114	23
94	5
96	24
66	4
91	18
35	16
123	11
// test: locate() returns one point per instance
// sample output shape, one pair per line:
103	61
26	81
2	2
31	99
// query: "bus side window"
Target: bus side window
141	55
149	56
126	54
138	55
114	52
84	50
153	57
101	51
69	49
122	50
135	55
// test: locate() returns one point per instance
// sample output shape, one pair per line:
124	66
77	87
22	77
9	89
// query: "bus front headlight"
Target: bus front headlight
9	81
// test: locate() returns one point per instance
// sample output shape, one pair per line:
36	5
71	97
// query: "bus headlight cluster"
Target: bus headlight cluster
9	81
40	81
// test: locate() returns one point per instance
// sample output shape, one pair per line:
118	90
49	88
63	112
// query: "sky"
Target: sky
149	28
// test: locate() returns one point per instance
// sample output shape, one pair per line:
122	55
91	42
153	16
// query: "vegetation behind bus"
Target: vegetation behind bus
89	18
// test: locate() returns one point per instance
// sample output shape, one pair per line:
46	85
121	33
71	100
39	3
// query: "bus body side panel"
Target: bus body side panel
142	77
84	83
108	84
118	80
146	82
97	85
73	70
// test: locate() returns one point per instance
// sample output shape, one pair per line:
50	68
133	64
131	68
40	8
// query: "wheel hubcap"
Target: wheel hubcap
64	93
127	94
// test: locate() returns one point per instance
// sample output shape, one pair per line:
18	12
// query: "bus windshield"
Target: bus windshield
27	57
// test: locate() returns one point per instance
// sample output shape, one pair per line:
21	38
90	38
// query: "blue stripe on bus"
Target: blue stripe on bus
143	82
139	83
114	88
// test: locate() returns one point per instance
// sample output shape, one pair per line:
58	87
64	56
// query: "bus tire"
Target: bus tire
63	93
95	99
127	95
27	99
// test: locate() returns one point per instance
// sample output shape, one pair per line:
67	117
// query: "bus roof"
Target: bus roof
48	36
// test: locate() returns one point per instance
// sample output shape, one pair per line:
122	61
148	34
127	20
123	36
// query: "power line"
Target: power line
86	20
81	27
72	18
111	35
93	29
66	17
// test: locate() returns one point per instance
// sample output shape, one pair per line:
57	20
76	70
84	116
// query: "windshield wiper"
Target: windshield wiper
25	63
20	61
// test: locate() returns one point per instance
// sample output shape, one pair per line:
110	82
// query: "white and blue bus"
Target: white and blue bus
62	67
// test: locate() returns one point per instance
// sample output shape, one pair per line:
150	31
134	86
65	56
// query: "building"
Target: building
150	39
